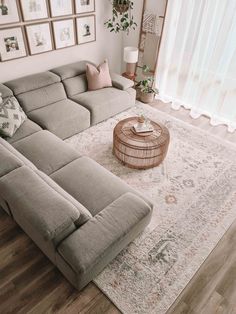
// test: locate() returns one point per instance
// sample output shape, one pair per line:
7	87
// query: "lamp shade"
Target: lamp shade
131	54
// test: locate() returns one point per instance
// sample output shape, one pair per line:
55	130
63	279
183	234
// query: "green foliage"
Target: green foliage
121	21
146	85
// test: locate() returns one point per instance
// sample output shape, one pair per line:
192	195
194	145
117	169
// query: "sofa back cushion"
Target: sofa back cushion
76	85
42	97
73	77
8	162
5	91
35	201
38	90
11	159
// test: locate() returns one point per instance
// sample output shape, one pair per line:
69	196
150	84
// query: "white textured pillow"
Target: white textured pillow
11	116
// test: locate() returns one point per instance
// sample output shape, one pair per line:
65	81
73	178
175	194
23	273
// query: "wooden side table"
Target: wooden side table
140	151
128	76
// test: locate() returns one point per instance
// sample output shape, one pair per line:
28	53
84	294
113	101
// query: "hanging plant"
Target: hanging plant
122	18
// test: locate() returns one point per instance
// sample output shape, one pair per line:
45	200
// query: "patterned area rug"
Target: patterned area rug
194	201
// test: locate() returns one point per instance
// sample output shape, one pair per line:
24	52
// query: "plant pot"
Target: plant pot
121	8
147	97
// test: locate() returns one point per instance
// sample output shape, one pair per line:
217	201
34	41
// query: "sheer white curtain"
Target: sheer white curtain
197	61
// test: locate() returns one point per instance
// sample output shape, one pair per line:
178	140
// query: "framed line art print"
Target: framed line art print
64	33
34	9
12	45
60	7
86	29
39	38
84	6
9	12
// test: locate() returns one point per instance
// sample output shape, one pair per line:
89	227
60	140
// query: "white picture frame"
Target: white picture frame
12	45
86	29
34	9
84	6
64	33
61	7
9	12
39	38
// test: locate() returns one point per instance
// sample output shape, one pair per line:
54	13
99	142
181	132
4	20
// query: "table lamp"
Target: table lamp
131	58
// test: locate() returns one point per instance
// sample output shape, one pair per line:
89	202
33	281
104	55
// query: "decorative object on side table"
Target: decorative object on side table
131	58
147	91
122	17
140	150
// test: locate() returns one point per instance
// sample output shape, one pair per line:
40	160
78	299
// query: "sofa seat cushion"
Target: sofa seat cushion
91	184
89	249
27	128
105	103
46	151
63	118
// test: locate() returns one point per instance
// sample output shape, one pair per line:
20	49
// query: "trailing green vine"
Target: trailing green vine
122	17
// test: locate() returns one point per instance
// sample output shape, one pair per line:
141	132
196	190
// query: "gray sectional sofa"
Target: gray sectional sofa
78	213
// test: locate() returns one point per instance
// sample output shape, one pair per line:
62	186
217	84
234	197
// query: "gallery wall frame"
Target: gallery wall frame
39	38
84	25
56	12
30	10
68	42
12	43
11	14
85	6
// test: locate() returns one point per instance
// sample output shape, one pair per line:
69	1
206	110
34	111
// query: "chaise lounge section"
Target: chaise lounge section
79	240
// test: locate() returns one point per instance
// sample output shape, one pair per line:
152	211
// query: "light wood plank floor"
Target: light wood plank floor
29	283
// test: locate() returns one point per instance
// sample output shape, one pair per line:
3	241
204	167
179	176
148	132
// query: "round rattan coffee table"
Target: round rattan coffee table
140	151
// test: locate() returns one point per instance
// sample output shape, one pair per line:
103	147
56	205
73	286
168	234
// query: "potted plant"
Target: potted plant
147	91
122	18
121	6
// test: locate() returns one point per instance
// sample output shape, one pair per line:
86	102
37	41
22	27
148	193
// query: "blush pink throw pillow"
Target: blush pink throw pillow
98	77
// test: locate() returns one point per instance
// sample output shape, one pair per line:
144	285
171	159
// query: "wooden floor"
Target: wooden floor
29	283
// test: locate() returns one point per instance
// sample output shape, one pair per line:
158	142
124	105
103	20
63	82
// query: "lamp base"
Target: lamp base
130	68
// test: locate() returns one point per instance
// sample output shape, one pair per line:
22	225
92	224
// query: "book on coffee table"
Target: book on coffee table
143	129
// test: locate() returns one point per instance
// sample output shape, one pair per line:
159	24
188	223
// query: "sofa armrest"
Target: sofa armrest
89	249
121	82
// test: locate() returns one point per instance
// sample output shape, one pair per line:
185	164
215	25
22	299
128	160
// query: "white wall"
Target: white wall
107	45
